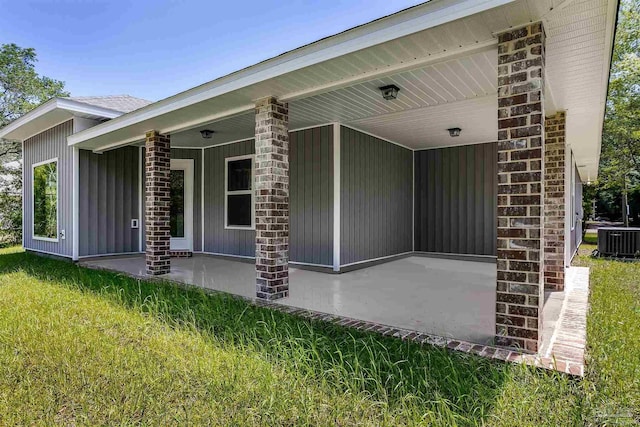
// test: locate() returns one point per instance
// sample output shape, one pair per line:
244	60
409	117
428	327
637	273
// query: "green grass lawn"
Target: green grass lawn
85	347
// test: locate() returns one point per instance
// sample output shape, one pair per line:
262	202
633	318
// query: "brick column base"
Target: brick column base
554	202
272	199
158	203
520	146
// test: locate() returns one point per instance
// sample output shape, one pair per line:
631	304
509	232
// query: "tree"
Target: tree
21	90
620	160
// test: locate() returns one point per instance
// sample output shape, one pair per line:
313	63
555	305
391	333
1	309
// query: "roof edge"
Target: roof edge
399	24
73	107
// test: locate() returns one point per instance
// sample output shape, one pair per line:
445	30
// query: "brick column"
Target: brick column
520	146
272	199
157	203
554	202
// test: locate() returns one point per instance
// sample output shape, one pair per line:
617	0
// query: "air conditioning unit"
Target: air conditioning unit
619	242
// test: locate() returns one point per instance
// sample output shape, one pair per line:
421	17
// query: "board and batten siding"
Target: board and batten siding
311	196
576	216
456	199
219	240
109	200
376	201
50	144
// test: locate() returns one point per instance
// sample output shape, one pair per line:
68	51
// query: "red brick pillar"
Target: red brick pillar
272	199
554	202
520	163
157	203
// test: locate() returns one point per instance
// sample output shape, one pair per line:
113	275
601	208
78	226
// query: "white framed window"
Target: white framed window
239	210
44	185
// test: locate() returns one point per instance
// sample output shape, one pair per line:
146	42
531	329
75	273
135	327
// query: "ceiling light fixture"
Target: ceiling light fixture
389	92
453	132
206	133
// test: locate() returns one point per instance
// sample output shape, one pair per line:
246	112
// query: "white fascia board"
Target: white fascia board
419	18
31	115
612	13
69	105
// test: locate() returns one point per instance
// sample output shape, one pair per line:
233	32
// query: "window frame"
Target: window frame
574	212
227	193
33	201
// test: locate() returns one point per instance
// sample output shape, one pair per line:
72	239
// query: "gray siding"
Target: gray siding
109	199
456	199
217	238
47	145
376	197
311	195
196	155
576	232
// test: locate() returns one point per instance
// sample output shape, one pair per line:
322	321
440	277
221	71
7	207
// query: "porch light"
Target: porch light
206	133
453	132
389	92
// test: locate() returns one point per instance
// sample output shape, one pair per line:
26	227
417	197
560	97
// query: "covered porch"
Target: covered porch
464	137
443	297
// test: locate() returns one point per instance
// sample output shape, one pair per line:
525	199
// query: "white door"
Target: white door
181	219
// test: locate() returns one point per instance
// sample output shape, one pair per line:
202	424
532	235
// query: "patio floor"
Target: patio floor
448	298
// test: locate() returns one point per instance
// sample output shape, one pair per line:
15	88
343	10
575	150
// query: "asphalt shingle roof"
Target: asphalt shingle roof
121	103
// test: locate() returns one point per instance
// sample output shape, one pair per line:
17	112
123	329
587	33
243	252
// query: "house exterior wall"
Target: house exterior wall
49	144
217	239
456	199
109	199
311	196
576	232
376	200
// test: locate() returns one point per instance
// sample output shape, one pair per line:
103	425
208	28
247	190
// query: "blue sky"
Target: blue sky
154	49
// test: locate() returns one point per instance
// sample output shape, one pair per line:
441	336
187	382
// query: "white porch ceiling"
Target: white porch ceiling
447	76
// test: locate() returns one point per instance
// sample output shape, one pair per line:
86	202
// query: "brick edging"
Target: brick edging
450	344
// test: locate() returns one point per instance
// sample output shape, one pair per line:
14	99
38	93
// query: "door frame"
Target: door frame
185	243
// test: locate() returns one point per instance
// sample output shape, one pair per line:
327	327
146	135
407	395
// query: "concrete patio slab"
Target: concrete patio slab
449	298
445	303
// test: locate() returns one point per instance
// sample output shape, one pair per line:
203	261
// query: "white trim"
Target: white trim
311	127
413	201
33	201
336	197
76	203
185	243
572	192
376	259
228	255
251	138
567	206
141	196
377	136
53	104
392	27
110	254
222	144
251	192
457	254
47	252
24	182
202	210
465	144
311	265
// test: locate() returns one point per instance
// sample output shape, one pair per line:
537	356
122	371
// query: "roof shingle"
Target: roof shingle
121	103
